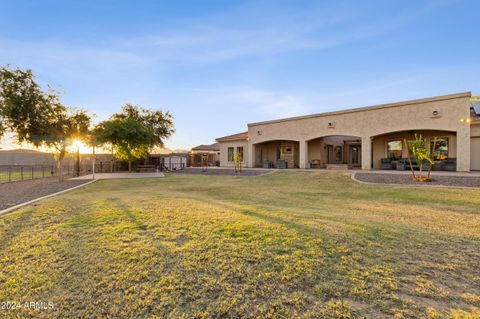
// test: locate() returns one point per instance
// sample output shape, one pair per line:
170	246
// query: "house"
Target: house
365	138
205	155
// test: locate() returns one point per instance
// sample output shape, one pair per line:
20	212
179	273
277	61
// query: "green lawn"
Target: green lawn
289	244
5	176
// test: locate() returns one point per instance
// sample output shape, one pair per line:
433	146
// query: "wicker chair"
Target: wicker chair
450	164
386	163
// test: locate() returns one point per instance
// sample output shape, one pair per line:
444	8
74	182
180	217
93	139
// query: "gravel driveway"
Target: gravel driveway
15	193
406	179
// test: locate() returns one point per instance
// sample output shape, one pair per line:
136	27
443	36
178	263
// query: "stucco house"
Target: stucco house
367	137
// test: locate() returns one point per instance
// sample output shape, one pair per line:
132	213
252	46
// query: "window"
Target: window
394	149
230	154
240	152
440	149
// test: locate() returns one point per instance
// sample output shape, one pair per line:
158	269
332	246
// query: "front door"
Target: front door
330	155
355	152
258	156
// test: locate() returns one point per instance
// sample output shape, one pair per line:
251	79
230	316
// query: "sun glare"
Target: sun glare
80	145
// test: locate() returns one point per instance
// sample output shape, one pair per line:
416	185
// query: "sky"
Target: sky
218	65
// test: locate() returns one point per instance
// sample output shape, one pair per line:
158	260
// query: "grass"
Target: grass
27	175
285	245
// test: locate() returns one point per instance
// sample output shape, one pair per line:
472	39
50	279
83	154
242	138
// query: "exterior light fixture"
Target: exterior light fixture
468	120
462	120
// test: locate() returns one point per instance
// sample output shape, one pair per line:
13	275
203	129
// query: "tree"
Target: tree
37	117
128	137
237	159
422	154
24	108
158	123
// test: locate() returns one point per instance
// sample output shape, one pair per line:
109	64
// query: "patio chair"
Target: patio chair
267	164
281	163
450	164
386	163
402	164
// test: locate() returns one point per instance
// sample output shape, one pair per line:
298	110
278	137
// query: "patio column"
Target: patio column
251	155
303	158
463	149
366	153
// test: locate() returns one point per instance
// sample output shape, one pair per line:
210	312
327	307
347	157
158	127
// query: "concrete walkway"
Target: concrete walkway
119	176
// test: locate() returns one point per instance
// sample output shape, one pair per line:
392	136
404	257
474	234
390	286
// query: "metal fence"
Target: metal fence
13	173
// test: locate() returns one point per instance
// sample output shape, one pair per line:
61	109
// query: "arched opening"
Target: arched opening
389	151
335	151
277	154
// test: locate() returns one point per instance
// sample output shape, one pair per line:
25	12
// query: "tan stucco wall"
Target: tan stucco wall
224	152
371	122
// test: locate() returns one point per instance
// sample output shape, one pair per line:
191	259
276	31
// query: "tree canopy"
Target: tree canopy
37	117
129	138
158	123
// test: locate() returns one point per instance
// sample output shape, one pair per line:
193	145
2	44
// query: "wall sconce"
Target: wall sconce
465	120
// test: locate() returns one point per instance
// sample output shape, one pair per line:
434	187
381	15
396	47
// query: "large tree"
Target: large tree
157	122
24	108
128	137
134	131
37	117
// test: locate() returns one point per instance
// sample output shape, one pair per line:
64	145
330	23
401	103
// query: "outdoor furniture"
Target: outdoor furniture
437	166
450	164
267	164
402	164
281	163
315	163
386	163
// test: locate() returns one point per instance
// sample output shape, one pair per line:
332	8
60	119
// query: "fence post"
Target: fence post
9	174
43	171
21	173
32	172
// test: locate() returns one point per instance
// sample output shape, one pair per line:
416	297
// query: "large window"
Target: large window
230	154
394	149
240	152
439	148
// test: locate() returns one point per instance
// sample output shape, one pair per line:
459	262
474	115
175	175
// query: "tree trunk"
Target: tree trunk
113	161
61	156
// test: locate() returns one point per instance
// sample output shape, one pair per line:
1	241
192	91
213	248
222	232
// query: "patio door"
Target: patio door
330	155
355	153
258	156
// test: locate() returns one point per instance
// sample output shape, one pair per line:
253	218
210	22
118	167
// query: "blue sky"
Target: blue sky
218	65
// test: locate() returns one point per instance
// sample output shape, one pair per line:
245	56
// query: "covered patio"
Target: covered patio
390	153
335	151
277	154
